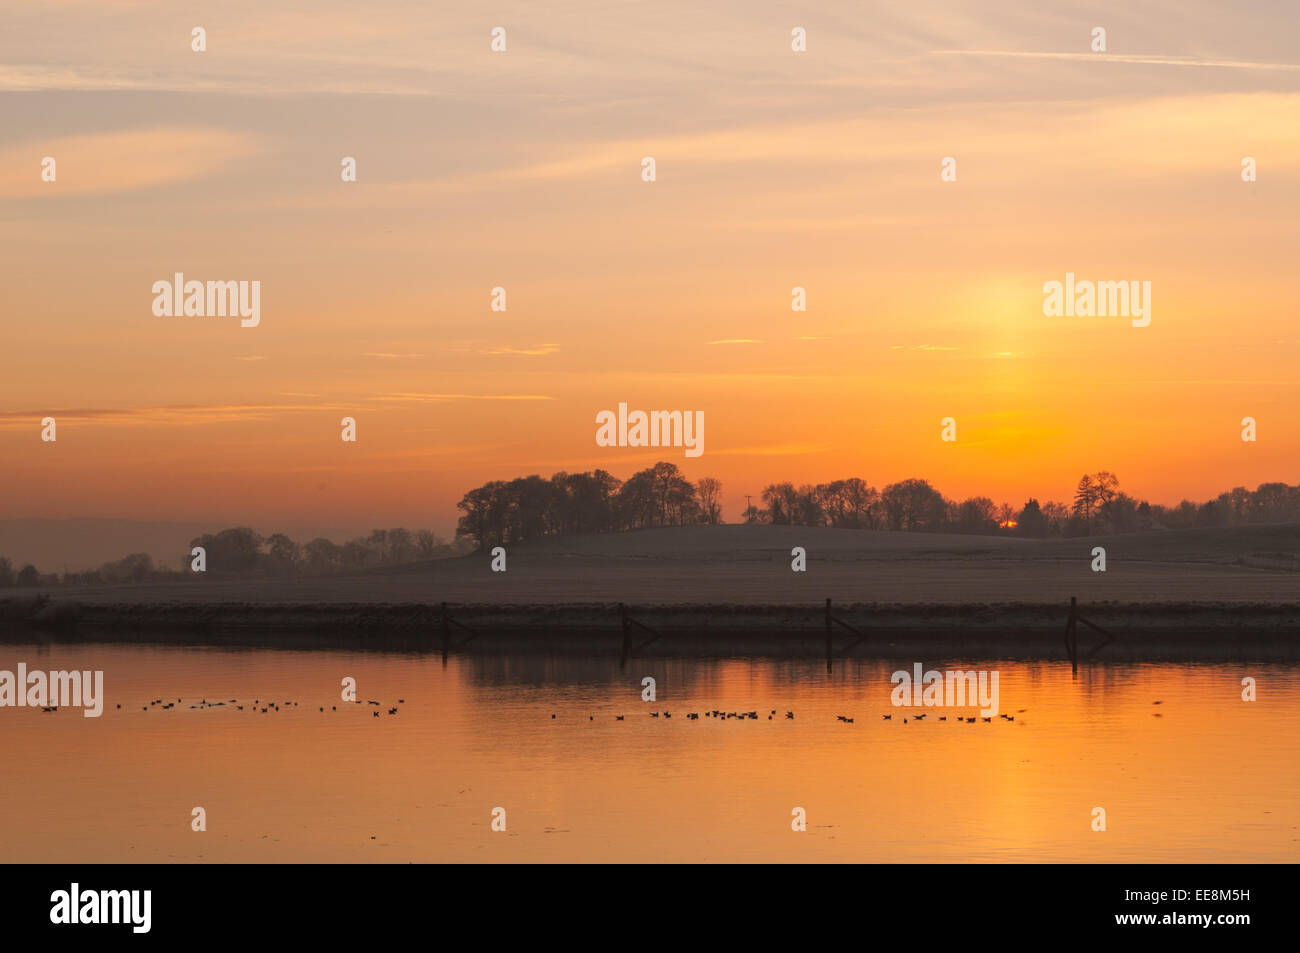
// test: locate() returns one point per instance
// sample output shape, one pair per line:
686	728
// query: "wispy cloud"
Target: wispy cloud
166	415
119	161
1144	60
407	398
534	351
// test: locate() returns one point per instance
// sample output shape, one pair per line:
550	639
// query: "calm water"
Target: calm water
1212	778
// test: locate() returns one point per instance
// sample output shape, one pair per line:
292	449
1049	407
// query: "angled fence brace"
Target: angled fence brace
627	622
831	621
447	623
1072	635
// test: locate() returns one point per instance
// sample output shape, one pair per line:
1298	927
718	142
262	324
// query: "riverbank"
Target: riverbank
1163	630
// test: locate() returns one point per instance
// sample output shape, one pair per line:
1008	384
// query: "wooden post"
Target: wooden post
446	635
829	650
1072	635
627	634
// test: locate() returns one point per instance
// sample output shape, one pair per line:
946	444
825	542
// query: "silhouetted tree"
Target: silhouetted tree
913	504
708	493
1031	521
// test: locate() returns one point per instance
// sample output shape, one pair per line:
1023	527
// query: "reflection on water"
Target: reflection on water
1212	778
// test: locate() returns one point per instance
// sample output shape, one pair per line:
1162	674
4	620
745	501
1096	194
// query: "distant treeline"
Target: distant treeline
243	550
505	512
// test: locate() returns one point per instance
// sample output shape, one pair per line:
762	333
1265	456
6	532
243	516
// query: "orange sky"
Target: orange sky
522	169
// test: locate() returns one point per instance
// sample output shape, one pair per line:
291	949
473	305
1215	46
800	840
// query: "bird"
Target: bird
375	713
886	717
943	718
988	719
790	715
917	717
618	717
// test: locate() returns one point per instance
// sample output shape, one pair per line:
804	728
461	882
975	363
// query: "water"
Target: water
1213	778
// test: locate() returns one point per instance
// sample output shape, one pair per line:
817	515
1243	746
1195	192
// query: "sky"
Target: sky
522	169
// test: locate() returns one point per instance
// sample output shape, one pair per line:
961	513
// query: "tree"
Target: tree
6	572
861	504
976	515
913	504
136	567
1085	499
476	523
674	496
1105	487
636	501
708	492
808	509
28	576
426	543
781	500
283	553
231	550
321	555
401	545
1031	521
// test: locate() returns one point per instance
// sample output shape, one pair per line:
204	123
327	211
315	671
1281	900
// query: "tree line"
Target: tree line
504	512
507	512
1098	507
243	550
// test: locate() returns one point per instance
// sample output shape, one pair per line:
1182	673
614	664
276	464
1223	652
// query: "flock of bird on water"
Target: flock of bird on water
257	706
269	706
